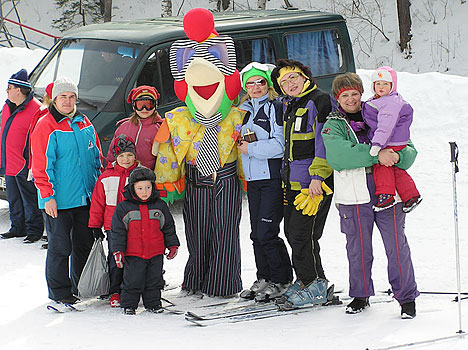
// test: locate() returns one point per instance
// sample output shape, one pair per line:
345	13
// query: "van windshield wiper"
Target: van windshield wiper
87	102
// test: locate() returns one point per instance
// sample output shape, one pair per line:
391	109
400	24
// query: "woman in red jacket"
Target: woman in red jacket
142	125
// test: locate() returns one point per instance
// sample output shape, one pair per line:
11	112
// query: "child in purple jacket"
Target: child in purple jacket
389	118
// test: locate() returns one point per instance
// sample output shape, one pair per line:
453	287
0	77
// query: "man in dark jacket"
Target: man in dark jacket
17	115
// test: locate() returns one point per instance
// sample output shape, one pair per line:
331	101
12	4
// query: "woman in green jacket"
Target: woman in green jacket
347	152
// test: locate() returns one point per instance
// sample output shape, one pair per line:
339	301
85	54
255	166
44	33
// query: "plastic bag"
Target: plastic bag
94	280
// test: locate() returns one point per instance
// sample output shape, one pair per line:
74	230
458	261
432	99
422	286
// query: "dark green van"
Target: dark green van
108	60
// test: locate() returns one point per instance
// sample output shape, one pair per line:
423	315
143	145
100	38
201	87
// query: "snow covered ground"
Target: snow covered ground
440	117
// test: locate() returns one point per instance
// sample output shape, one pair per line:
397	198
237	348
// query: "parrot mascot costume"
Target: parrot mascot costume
198	156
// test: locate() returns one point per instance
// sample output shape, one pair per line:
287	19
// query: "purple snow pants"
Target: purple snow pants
357	222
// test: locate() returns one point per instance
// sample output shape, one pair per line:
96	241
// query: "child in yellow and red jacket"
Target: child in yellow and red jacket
142	228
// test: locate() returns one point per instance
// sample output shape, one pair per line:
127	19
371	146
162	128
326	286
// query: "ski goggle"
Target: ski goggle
259	82
148	104
264	67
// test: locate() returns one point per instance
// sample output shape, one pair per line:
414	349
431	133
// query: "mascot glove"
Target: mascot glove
374	150
119	259
172	252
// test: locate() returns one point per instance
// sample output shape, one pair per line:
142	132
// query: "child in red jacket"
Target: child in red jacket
107	193
142	228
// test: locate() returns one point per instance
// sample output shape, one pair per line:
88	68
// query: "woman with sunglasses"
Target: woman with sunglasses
262	147
142	125
306	176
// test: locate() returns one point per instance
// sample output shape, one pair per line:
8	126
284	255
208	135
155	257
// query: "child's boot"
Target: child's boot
411	203
384	201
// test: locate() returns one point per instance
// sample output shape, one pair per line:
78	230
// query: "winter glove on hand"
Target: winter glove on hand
97	233
374	150
309	205
119	259
172	252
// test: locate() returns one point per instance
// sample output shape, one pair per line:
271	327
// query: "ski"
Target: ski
61	308
250	314
256	312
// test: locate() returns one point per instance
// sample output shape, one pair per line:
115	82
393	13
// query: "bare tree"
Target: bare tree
106	10
404	23
166	8
221	5
261	4
77	13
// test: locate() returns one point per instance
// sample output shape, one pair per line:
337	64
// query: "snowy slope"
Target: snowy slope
440	33
440	117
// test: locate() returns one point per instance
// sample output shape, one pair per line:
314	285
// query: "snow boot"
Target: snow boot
115	300
411	203
257	286
272	291
130	311
314	293
384	201
357	305
408	310
155	309
69	300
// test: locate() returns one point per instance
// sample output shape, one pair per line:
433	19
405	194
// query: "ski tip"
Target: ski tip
53	308
194	322
192	316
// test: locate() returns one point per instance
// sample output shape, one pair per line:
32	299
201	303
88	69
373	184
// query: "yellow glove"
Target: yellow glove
308	205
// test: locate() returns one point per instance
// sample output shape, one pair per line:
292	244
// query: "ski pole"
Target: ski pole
454	161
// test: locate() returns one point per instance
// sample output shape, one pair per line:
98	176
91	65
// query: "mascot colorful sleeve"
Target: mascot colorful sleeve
197	153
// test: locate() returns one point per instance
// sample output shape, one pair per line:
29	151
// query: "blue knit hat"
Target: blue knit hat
20	79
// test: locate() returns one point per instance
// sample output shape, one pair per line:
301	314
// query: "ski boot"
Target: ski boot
257	286
314	293
272	291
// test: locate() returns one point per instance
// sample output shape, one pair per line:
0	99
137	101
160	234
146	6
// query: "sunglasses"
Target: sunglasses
139	105
259	82
291	79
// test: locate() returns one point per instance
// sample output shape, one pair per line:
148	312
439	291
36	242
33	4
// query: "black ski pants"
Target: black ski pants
70	241
266	212
115	274
303	233
142	277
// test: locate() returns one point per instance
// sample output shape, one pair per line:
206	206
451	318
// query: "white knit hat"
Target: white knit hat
64	84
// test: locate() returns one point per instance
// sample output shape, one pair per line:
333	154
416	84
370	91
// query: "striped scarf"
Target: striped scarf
207	161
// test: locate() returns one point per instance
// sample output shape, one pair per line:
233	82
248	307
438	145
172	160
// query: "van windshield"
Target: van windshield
98	67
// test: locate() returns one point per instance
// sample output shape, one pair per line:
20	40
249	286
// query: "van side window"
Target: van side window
320	50
258	50
156	72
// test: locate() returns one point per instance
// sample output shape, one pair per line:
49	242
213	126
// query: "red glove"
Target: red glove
119	259
172	252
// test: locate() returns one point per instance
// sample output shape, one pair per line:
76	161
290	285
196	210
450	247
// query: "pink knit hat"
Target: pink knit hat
384	73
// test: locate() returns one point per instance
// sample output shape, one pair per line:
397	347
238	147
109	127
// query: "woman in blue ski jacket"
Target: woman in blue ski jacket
262	147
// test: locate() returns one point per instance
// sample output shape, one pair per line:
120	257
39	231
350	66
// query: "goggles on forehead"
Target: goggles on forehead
219	51
259	82
147	104
264	67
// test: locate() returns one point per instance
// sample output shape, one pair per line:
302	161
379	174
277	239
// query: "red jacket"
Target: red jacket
14	138
143	134
142	229
107	193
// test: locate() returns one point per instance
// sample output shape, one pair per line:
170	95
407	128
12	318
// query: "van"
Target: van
108	60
